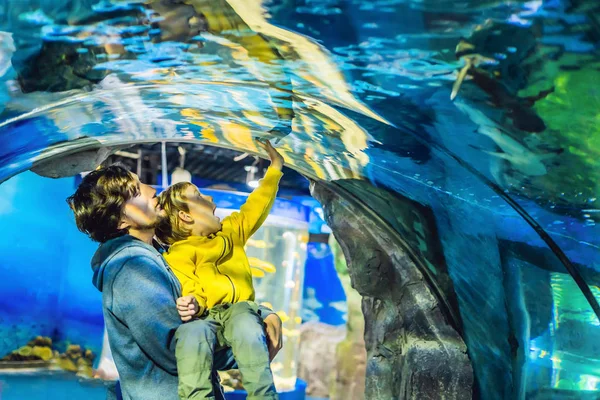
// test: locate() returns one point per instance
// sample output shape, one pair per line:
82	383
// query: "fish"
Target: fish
471	61
259	244
518	155
341	306
261	265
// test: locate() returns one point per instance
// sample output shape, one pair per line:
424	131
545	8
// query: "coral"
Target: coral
74	359
408	339
37	349
44	353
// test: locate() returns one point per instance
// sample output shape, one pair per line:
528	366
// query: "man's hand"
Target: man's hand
188	307
274	334
274	156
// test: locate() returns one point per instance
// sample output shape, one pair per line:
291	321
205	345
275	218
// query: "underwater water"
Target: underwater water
49	385
485	112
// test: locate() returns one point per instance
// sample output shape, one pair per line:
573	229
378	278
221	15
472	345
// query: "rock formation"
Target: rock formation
413	352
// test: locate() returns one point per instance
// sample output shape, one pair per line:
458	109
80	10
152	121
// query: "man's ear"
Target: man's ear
185	217
123	224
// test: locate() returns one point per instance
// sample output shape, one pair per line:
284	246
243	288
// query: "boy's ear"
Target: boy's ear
184	216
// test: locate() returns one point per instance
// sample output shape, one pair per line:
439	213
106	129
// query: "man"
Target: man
139	291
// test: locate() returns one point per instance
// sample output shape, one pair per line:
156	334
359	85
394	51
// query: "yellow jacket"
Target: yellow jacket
215	269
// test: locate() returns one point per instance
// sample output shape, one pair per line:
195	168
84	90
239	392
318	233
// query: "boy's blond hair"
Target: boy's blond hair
171	229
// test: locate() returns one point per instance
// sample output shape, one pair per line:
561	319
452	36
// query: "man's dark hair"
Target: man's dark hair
99	200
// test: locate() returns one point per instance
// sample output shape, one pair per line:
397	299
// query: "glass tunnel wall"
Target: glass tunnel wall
431	114
521	313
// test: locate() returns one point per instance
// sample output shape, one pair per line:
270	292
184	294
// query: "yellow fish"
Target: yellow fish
283	316
259	244
262	265
257	273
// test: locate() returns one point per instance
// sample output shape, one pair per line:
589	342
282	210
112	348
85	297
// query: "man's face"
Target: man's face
202	212
142	212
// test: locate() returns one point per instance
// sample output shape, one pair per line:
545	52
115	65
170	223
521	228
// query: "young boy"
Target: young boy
209	259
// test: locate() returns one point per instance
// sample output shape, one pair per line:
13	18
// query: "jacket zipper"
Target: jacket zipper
230	280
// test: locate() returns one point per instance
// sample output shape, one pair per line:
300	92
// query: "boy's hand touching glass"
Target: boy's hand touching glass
274	156
188	307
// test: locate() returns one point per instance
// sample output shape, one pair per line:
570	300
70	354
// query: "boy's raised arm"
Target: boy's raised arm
259	203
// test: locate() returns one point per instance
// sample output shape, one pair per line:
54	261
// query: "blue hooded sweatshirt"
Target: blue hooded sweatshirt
139	293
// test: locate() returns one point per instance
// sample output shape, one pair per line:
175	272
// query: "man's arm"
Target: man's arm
273	328
142	299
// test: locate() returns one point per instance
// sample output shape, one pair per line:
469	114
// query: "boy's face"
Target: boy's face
142	212
202	213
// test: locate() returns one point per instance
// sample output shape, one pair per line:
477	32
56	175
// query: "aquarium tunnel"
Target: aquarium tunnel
436	231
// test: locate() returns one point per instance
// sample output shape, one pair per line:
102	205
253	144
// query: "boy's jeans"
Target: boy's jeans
237	325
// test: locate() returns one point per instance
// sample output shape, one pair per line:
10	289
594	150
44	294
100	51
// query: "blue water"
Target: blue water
50	386
507	172
66	386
